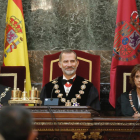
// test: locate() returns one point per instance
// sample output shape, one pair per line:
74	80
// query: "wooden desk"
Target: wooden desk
82	123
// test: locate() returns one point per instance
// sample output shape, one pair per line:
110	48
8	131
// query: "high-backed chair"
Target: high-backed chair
8	80
120	73
89	67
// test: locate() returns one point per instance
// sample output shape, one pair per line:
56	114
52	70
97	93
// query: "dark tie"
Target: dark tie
64	81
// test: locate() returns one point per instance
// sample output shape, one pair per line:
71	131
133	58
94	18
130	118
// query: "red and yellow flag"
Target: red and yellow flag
126	49
15	44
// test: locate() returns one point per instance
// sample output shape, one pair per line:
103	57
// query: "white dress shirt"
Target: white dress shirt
67	89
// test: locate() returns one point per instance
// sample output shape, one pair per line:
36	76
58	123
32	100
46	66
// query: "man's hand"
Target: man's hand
136	115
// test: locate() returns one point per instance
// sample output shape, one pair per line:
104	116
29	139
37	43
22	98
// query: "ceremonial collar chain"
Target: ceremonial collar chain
3	94
73	100
131	102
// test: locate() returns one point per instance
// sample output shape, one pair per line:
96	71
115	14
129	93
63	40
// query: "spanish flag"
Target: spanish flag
15	44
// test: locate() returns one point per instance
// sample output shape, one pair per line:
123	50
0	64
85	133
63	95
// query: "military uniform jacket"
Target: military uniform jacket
89	98
123	107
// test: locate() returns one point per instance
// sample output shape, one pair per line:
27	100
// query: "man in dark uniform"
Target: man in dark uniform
70	88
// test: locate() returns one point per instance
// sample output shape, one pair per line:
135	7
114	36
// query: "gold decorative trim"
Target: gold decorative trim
86	130
95	135
87	123
63	123
90	66
10	74
64	130
115	130
124	80
115	123
51	68
79	136
80	58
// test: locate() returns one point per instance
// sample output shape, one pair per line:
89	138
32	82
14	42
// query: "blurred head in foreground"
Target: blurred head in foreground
16	123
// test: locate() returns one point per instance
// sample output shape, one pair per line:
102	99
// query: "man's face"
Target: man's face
137	79
68	64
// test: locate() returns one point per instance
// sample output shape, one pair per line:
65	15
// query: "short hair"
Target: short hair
132	76
15	123
67	51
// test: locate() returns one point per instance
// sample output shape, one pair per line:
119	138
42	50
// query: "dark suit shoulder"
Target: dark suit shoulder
125	95
54	81
79	77
83	79
48	84
123	104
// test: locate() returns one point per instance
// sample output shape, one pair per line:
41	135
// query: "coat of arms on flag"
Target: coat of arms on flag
126	48
127	39
13	31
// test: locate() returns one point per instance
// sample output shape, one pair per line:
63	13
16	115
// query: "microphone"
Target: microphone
52	92
51	100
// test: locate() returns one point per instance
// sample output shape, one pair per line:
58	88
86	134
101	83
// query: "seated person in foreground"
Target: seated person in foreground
16	123
128	104
71	87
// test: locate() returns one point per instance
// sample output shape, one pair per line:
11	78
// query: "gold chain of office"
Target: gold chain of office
73	100
131	102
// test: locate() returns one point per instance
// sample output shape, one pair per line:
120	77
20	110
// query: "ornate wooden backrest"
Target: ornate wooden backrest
89	67
122	84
